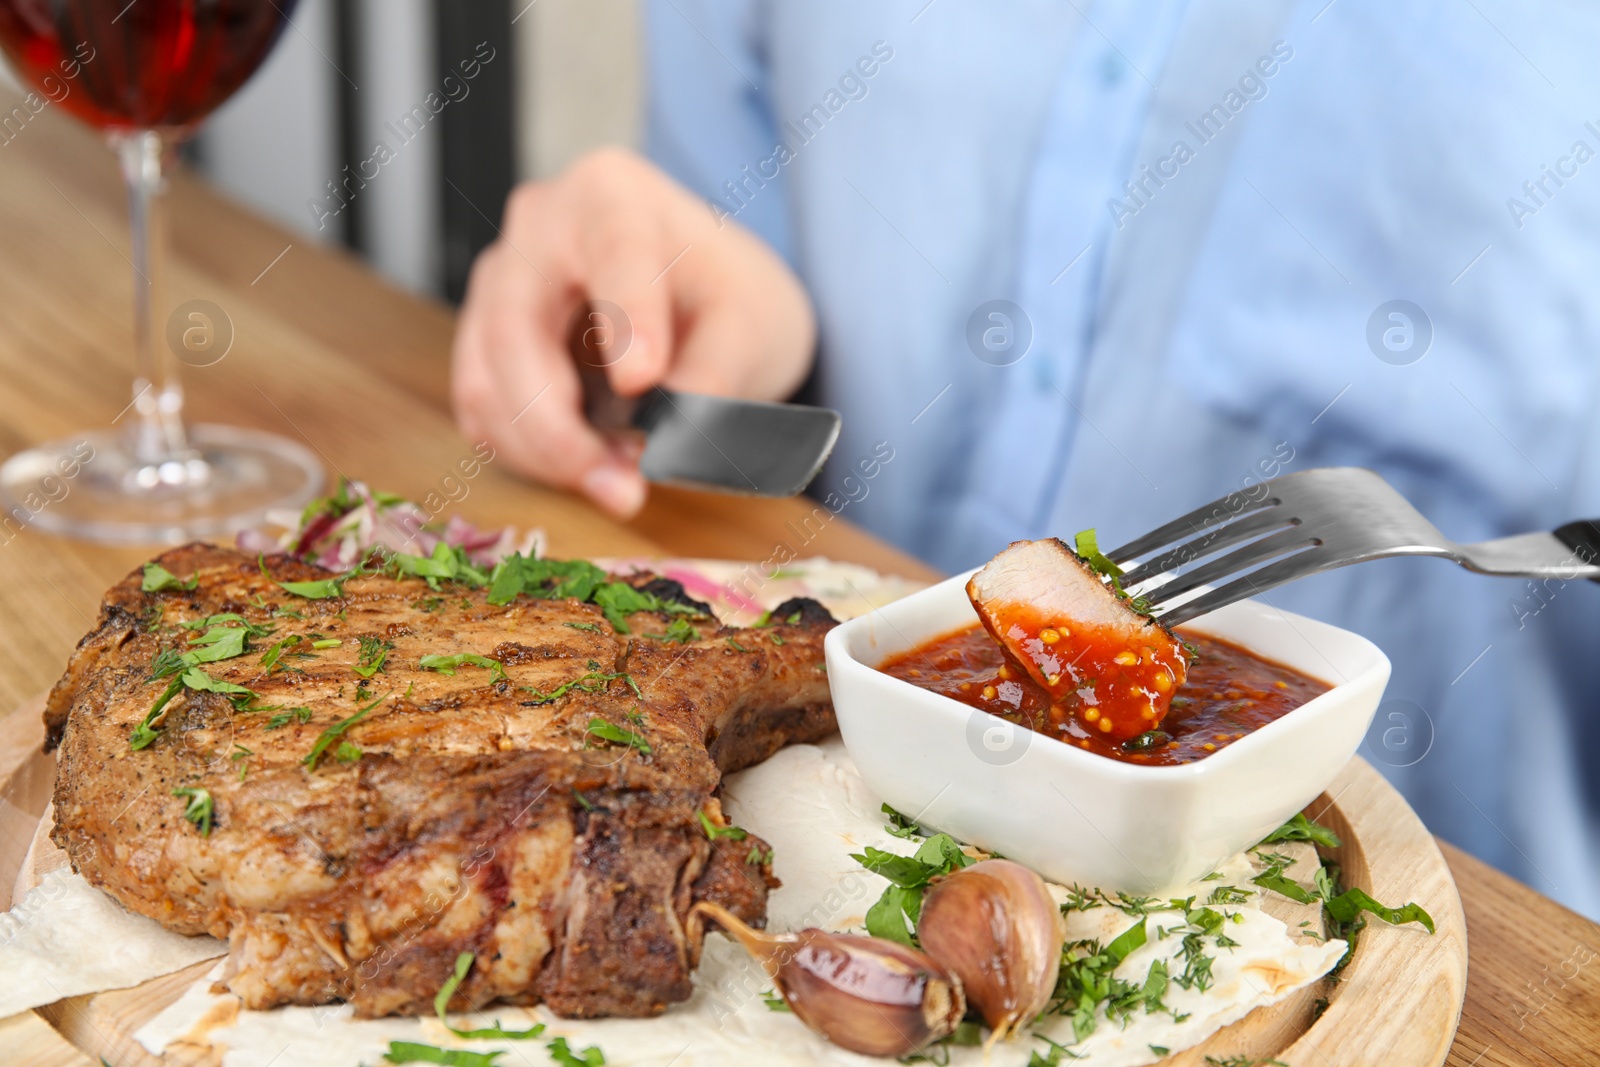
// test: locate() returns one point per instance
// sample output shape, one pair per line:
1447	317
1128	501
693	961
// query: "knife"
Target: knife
714	442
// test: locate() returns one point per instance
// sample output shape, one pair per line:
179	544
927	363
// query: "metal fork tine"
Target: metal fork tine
1252	584
1213	540
1255	552
1216	513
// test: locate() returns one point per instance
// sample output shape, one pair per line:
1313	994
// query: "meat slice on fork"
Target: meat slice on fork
1079	637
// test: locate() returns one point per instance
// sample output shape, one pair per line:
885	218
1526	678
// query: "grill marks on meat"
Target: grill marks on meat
477	817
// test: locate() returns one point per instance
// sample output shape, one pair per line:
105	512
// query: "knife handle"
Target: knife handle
605	409
1583	537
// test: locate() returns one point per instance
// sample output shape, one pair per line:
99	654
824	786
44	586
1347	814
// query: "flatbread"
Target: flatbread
67	938
810	804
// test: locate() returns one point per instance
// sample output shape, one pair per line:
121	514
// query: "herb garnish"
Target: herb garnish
1343	908
253	629
200	808
448	562
448	664
1087	981
441	1001
593	682
270	658
194	678
608	731
1301	828
415	1052
157	579
908	876
240	753
562	1054
333	733
680	630
581	580
283	718
899	825
586	626
713	831
321	589
374	650
1088	550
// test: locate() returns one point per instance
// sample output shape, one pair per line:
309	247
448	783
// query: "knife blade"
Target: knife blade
748	447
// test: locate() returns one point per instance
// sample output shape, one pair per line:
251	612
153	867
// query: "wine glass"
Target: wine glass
147	72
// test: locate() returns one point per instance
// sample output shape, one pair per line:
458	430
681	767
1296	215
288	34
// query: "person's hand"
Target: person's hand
712	310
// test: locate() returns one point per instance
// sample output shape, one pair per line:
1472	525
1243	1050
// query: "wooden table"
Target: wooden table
327	353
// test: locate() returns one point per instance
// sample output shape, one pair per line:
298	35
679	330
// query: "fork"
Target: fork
1315	520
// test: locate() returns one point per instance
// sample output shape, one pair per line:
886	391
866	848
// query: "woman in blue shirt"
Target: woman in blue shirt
1094	264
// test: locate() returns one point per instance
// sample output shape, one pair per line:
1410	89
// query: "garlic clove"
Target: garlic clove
995	926
865	994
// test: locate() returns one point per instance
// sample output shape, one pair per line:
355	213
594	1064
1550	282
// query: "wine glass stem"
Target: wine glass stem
158	434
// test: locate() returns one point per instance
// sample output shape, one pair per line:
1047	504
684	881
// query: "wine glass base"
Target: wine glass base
90	487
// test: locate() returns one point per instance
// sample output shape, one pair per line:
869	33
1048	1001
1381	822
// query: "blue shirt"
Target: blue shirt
1095	264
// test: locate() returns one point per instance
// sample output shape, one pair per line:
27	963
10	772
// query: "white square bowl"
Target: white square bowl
1075	816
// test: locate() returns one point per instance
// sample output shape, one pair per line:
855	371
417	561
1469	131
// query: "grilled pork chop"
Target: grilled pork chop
1113	667
545	797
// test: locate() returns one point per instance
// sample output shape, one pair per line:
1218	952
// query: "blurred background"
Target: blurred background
564	77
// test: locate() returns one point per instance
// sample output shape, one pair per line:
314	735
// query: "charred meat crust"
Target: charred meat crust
471	812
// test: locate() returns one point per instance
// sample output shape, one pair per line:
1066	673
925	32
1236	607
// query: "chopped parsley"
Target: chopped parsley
755	856
321	589
1088	550
241	756
679	629
288	715
1344	908
967	1034
714	832
1301	828
200	808
608	731
1227	894
334	732
193	678
593	682
441	1001
901	902
899	825
217	643
374	650
449	664
1087	981
270	658
157	579
253	629
563	1055
415	1052
774	1001
518	575
448	562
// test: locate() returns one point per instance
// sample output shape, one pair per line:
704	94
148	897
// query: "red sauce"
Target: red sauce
1228	693
1114	682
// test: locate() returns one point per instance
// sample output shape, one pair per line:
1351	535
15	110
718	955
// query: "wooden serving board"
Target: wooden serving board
1397	1002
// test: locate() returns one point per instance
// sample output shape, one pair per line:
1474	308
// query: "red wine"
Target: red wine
142	65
